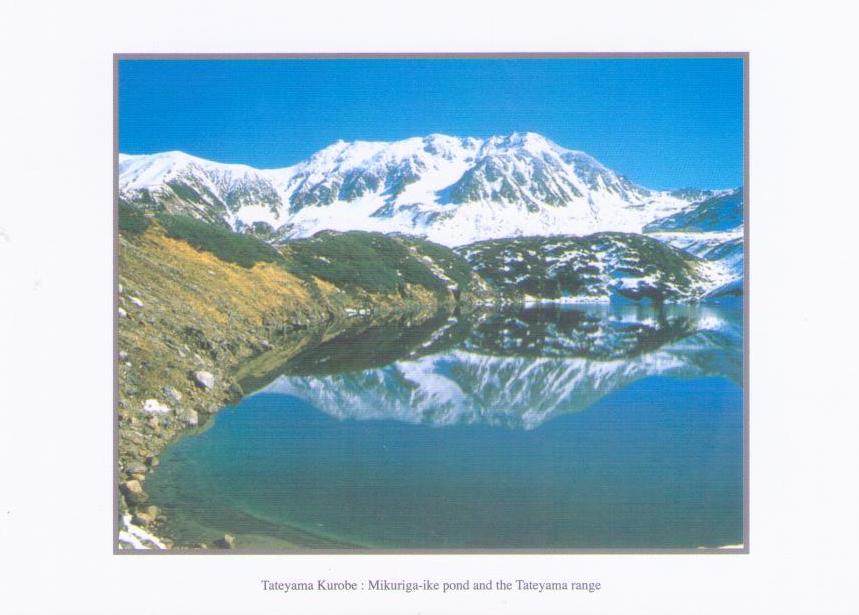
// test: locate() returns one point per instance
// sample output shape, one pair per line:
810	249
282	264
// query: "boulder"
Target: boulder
204	380
132	486
135	467
234	392
153	406
136	301
172	394
152	461
227	542
189	417
122	313
133	491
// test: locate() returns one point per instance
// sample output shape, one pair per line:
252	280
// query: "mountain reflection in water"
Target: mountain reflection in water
515	368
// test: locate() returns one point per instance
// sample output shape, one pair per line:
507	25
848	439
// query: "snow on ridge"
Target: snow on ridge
509	185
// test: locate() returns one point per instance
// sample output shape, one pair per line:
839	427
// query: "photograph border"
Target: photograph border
740	55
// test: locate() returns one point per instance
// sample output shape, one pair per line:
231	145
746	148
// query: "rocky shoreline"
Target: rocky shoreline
169	417
186	322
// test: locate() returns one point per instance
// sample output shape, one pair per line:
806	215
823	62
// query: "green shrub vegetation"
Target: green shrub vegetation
373	261
244	250
131	220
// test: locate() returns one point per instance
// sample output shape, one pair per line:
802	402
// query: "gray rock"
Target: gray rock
123	355
189	417
204	379
172	394
136	301
135	468
153	406
122	313
235	392
227	542
152	461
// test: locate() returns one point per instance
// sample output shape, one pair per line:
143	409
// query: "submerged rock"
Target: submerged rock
133	492
141	518
146	516
227	542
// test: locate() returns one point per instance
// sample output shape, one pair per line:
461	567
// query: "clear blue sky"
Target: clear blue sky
664	123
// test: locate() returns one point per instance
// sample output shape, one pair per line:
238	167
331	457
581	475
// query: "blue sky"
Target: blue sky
664	123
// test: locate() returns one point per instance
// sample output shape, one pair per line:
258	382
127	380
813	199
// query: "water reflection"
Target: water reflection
515	368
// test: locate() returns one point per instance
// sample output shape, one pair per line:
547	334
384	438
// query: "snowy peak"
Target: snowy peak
453	190
181	183
719	211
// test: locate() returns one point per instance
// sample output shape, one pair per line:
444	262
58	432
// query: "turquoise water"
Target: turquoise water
469	443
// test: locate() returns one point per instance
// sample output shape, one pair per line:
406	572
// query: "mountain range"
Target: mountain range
450	190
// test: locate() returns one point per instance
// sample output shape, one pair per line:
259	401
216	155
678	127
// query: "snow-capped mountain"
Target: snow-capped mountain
451	190
712	229
207	190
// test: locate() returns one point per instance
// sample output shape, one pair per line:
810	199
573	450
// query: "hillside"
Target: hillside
712	229
723	212
196	300
597	268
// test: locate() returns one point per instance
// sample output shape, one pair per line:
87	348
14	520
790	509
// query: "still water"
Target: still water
600	427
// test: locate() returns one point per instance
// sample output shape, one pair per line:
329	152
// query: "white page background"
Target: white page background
56	285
